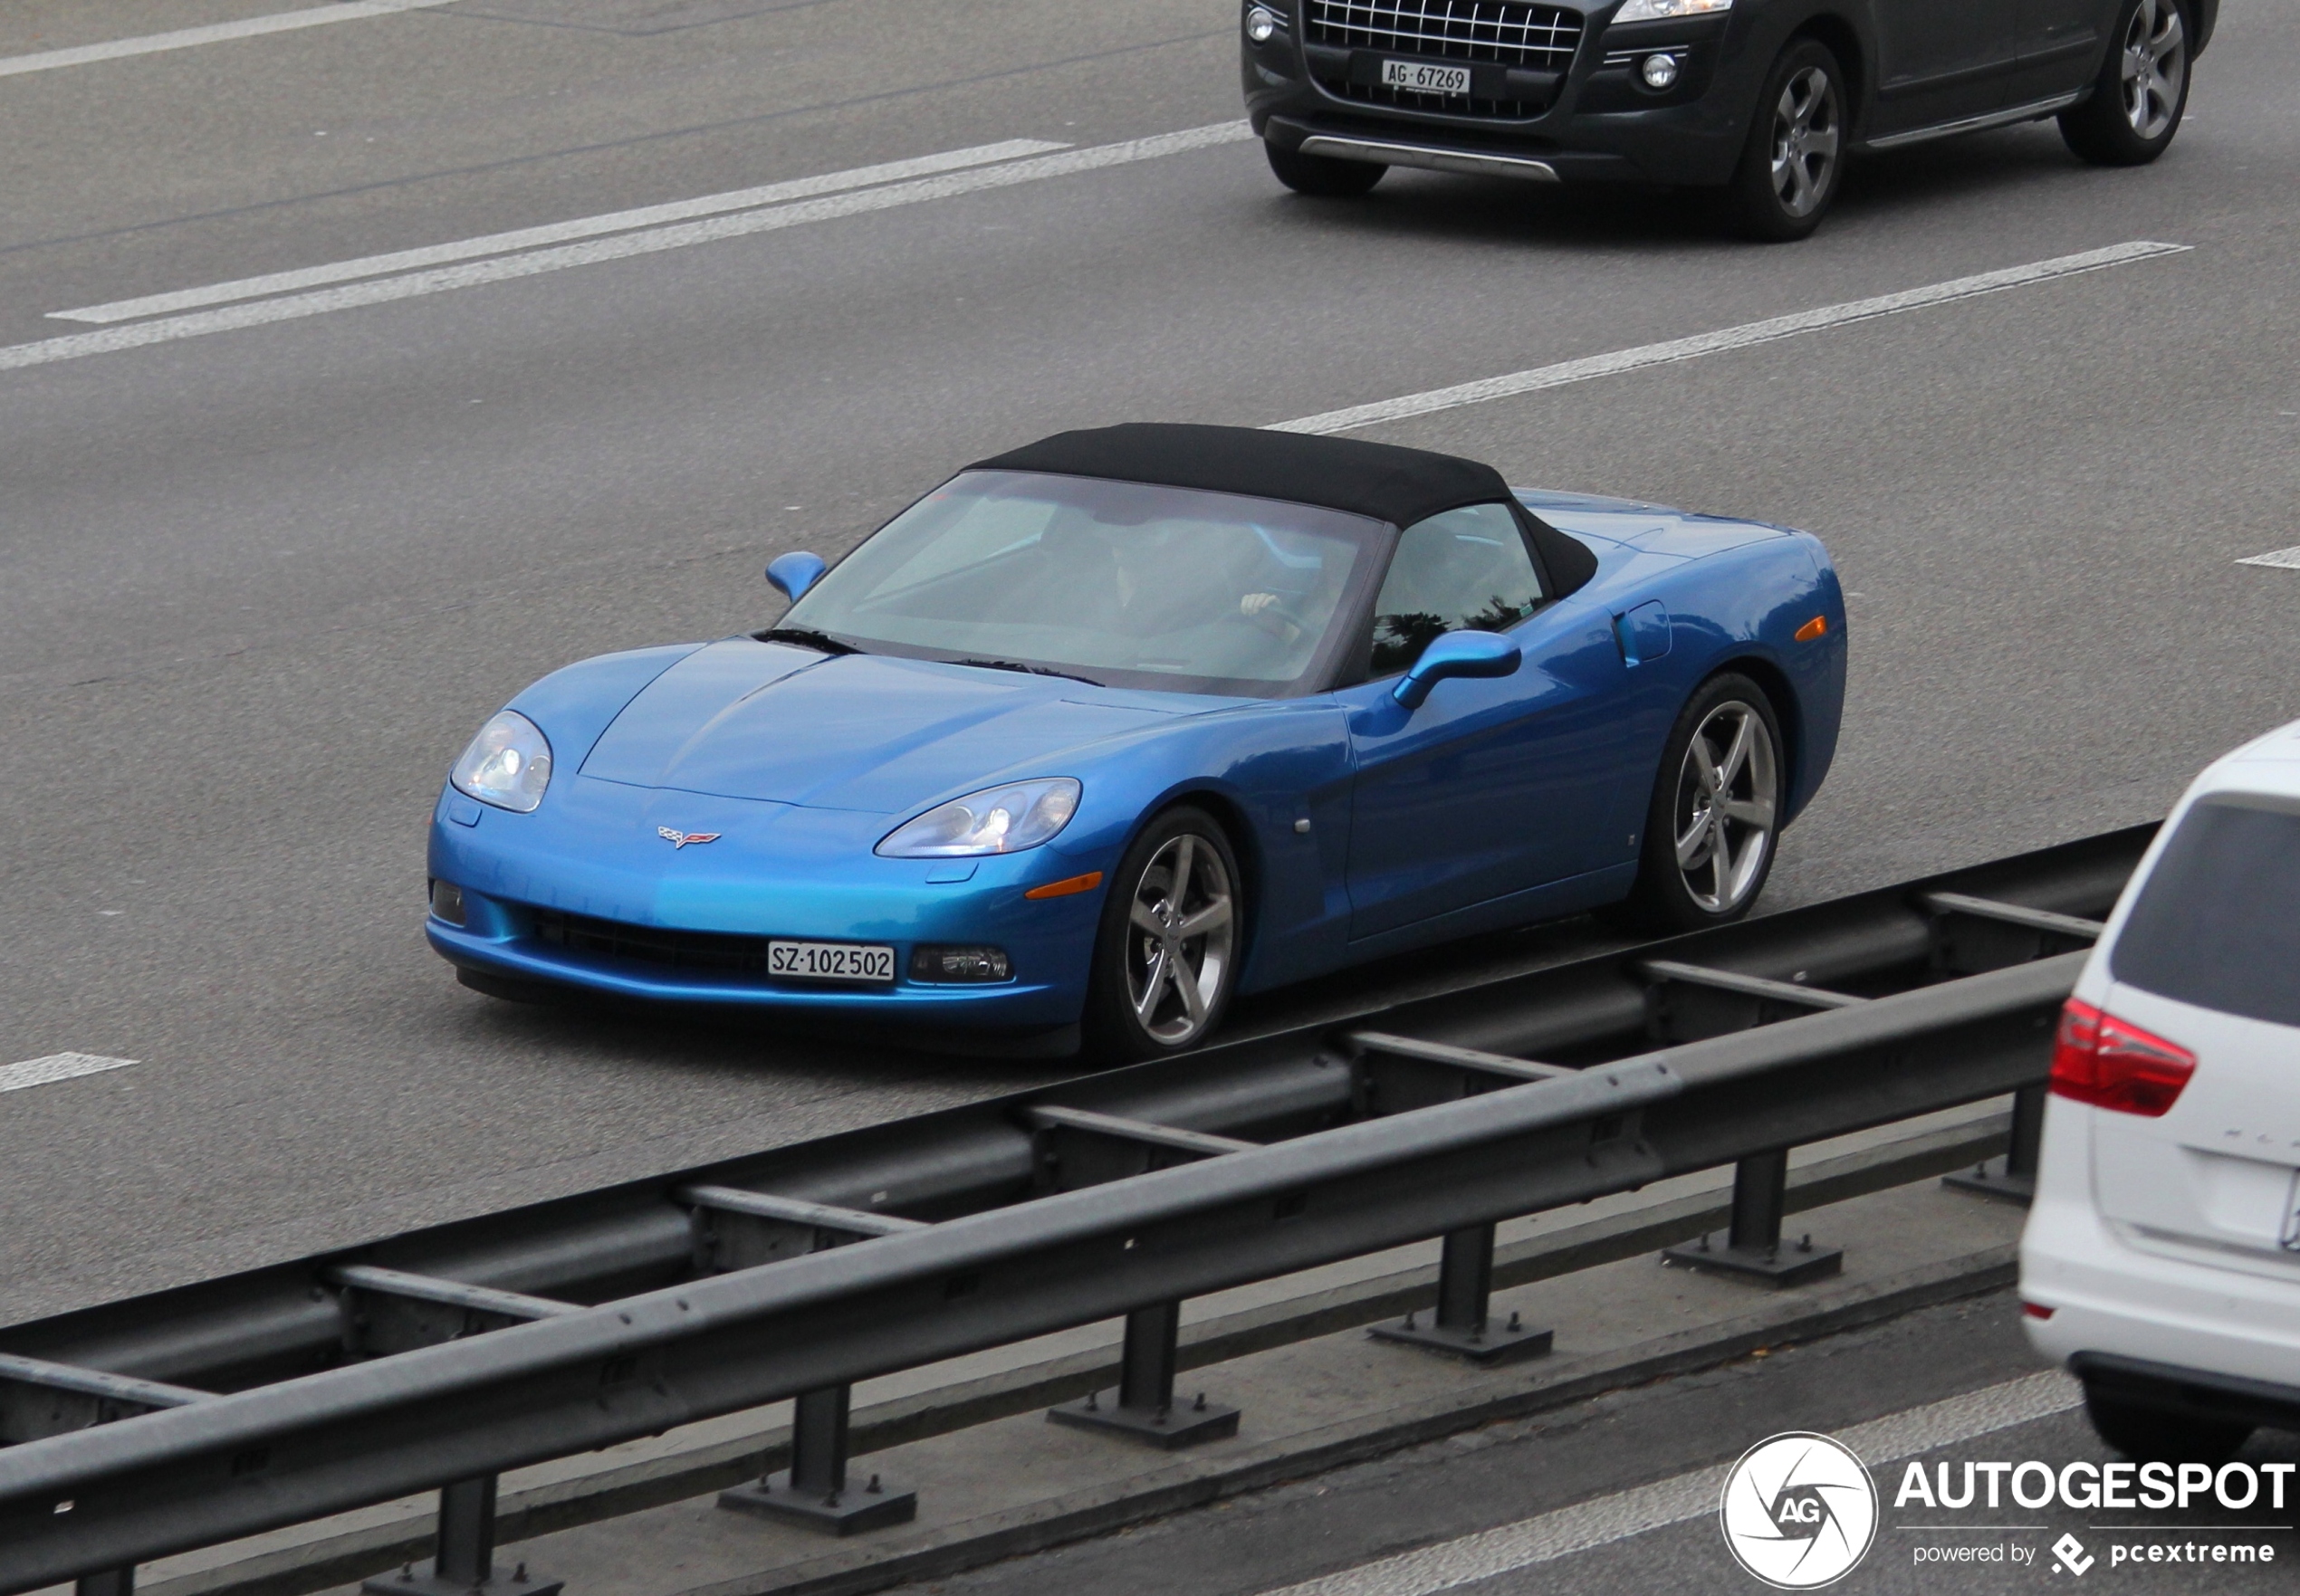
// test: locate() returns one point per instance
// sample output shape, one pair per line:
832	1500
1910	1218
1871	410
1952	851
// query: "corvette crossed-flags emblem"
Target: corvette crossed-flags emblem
679	839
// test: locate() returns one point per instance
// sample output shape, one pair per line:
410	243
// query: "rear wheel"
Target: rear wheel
1715	811
1790	169
1165	959
2149	1435
2141	91
1321	174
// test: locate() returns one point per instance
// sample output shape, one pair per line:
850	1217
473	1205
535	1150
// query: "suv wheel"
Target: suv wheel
2143	88
1790	169
1321	174
2149	1435
1166	955
1715	812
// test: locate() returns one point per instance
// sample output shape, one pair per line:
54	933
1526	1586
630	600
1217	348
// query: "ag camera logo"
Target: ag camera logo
1799	1511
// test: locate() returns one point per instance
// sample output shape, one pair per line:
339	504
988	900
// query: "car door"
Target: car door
1491	786
1941	60
2059	45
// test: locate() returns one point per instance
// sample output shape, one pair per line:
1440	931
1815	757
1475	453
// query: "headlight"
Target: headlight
507	765
1262	23
1669	10
997	820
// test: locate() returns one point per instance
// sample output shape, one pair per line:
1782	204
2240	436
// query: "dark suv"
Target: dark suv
1760	99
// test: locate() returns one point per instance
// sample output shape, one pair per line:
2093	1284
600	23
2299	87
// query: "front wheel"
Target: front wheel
1322	176
1166	957
2143	88
1716	809
1795	158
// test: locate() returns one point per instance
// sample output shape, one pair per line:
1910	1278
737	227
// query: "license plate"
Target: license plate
1424	79
830	961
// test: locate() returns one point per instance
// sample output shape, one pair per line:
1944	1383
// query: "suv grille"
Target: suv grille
680	950
1503	32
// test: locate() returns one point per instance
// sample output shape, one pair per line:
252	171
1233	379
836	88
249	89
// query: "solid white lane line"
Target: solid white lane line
56	1067
279	22
1599	1523
1730	338
440	280
497	243
2281	559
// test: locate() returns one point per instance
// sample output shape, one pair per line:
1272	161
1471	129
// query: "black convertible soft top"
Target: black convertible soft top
1384	480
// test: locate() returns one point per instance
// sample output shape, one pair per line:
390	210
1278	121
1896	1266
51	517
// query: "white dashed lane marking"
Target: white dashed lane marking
649	241
279	22
1747	335
56	1067
499	244
2281	558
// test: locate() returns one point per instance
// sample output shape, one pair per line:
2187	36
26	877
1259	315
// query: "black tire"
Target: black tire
1322	176
2149	1435
2133	111
1794	162
1133	1010
1668	898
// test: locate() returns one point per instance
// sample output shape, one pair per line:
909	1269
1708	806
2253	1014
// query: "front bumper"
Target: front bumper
775	870
1595	121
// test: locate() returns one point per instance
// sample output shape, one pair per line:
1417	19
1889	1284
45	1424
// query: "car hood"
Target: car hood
749	720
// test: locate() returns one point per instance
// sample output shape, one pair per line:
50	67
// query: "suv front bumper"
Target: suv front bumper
1596	122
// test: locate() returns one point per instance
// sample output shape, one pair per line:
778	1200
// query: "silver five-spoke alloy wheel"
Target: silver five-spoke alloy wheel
2154	67
1728	795
1181	931
1808	128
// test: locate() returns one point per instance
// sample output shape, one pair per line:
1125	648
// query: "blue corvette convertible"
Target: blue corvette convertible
1106	731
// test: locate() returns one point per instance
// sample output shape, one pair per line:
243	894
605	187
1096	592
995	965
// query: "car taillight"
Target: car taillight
2102	1060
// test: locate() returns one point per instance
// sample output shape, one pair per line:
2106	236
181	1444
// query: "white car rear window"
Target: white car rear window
2217	923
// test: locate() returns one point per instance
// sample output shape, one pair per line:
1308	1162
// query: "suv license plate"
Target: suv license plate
1424	79
830	961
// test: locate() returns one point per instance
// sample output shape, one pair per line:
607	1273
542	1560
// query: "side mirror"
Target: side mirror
796	572
1457	653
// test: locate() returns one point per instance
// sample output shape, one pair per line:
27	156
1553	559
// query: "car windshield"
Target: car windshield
2217	923
1120	583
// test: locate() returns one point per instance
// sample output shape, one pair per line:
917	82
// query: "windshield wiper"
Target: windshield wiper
805	638
1007	665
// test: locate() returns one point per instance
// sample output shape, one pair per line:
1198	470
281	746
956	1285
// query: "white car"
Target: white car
2161	1258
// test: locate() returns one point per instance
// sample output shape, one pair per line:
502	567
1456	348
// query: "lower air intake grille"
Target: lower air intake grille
1407	100
679	950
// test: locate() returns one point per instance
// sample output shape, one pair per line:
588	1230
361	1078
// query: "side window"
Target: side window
1465	570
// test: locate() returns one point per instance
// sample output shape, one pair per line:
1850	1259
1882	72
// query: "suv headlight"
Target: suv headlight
1669	10
507	765
996	820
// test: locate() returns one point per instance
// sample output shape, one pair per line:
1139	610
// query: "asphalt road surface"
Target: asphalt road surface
263	570
1588	1481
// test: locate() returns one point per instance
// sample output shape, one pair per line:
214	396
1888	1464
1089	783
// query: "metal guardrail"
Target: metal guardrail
442	1358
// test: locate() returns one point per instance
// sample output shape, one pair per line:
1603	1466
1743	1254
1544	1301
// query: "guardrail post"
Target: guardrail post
112	1582
813	1491
2013	1177
463	1562
1459	1327
1142	1408
1753	1249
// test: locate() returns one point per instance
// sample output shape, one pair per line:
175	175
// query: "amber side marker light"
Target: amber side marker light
1818	626
1067	886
